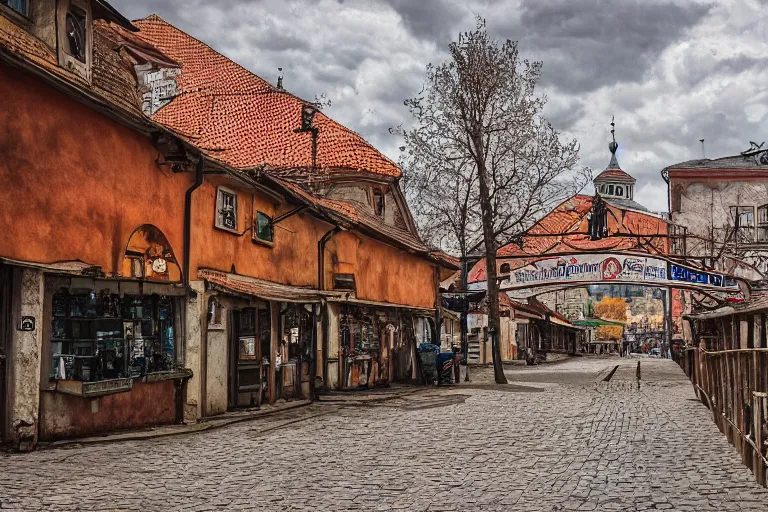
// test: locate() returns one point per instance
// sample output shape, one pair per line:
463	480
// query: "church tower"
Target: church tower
613	184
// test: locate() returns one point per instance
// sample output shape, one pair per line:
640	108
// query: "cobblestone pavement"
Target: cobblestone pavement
573	444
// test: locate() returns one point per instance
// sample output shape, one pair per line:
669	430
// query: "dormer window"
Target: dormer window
378	203
20	6
75	34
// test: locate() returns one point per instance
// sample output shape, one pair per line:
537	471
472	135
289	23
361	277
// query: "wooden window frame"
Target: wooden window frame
344	276
219	205
739	209
67	60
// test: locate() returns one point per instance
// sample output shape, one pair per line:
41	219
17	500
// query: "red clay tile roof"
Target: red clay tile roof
244	121
615	175
567	224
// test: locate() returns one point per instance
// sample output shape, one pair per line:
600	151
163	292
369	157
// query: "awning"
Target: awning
372	303
262	289
596	322
757	302
69	268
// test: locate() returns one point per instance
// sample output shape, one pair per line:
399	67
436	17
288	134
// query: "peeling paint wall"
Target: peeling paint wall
571	302
217	367
24	360
95	179
702	205
291	259
334	342
195	316
147	404
382	272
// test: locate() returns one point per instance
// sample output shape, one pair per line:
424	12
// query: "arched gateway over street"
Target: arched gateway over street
528	277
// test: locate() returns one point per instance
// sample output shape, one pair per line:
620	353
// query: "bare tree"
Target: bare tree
482	164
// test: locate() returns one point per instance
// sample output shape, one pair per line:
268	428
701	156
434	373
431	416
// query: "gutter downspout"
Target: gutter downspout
189	293
325	316
188	219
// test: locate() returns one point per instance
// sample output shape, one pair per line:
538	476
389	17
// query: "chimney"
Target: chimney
280	79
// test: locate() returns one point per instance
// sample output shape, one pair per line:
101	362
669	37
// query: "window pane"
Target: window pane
762	214
227	210
264	228
16	5
610	190
619	191
378	203
76	19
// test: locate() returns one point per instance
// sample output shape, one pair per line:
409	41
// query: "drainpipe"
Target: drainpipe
321	286
186	243
188	219
321	256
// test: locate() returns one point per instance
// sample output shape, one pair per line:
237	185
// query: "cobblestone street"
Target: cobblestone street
571	443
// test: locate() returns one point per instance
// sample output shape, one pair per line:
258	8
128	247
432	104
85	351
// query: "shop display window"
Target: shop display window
359	333
102	336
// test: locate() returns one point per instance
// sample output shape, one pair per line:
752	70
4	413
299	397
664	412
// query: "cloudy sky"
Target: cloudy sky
671	71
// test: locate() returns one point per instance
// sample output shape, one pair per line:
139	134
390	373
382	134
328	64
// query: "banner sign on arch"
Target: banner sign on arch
593	268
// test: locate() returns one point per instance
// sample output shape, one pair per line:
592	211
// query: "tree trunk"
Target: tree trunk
494	324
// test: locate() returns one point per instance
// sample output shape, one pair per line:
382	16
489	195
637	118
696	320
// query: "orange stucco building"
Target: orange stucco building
169	251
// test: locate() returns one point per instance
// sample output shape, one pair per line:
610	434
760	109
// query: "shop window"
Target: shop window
75	36
344	282
247	332
359	333
743	222
762	223
215	314
226	209
265	230
103	336
378	203
20	6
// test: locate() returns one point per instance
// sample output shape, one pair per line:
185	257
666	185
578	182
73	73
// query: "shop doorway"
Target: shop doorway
248	366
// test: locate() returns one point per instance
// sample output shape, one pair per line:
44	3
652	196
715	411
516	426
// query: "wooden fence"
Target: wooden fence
728	372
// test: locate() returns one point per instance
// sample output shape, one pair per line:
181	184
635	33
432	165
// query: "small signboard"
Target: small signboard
27	323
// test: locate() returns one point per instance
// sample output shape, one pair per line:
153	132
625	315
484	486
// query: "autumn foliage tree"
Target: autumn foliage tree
614	309
481	163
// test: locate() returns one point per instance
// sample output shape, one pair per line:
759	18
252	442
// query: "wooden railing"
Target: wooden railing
732	383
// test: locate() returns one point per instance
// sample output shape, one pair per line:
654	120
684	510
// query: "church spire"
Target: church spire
613	146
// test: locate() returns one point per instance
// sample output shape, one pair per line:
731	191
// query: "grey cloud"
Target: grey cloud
586	44
434	20
599	58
